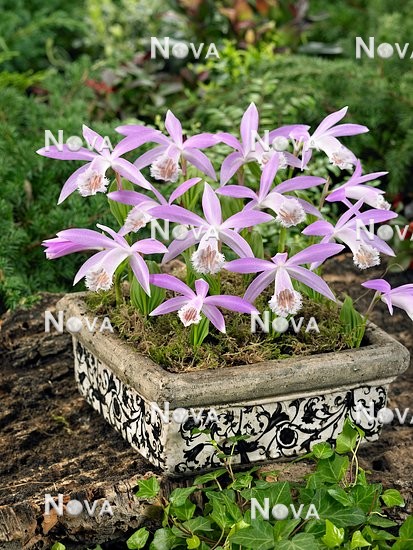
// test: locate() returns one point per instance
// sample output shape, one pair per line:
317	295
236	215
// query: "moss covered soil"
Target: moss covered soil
167	342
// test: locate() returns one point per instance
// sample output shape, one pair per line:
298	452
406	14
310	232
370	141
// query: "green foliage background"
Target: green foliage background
62	65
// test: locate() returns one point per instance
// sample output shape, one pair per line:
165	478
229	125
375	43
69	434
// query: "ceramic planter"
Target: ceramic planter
285	406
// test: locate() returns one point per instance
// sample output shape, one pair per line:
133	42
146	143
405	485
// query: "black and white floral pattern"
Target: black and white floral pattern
278	430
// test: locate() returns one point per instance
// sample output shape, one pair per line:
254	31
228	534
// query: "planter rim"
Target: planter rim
382	359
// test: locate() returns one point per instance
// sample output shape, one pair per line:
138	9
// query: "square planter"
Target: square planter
284	406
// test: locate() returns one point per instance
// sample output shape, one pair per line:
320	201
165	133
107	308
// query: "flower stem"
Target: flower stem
118	181
372	304
282	239
183	164
118	288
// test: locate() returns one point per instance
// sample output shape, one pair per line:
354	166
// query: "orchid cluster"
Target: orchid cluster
263	180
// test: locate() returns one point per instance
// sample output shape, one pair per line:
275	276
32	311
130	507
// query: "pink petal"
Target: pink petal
71	184
260	283
141	272
236	243
230	165
173	304
211	206
311	280
170	282
66	154
249	124
174	128
200	161
183	188
201	141
215	316
201	287
150	156
128	171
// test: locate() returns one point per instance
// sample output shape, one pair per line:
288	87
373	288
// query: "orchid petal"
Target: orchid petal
267	176
231	164
260	283
173	304
233	303
163	280
149	246
234	241
311	280
211	206
179	245
91	262
178	214
141	272
249	124
71	184
215	316
248	265
377	284
201	287
315	253
64	153
174	128
183	188
128	171
150	156
246	218
237	191
201	141
299	182
200	161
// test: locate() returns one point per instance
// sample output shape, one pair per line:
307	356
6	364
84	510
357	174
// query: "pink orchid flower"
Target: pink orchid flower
209	232
289	210
90	178
354	189
280	270
100	268
140	215
401	296
365	246
325	136
247	150
164	159
190	305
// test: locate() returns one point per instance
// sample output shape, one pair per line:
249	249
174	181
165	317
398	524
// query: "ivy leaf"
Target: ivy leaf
405	541
183	512
334	535
333	469
284	527
211	476
358	541
148	488
164	539
303	541
197	524
347	439
341	496
367	497
138	539
179	496
257	537
193	542
392	497
323	450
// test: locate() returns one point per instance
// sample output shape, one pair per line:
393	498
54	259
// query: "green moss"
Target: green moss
166	341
